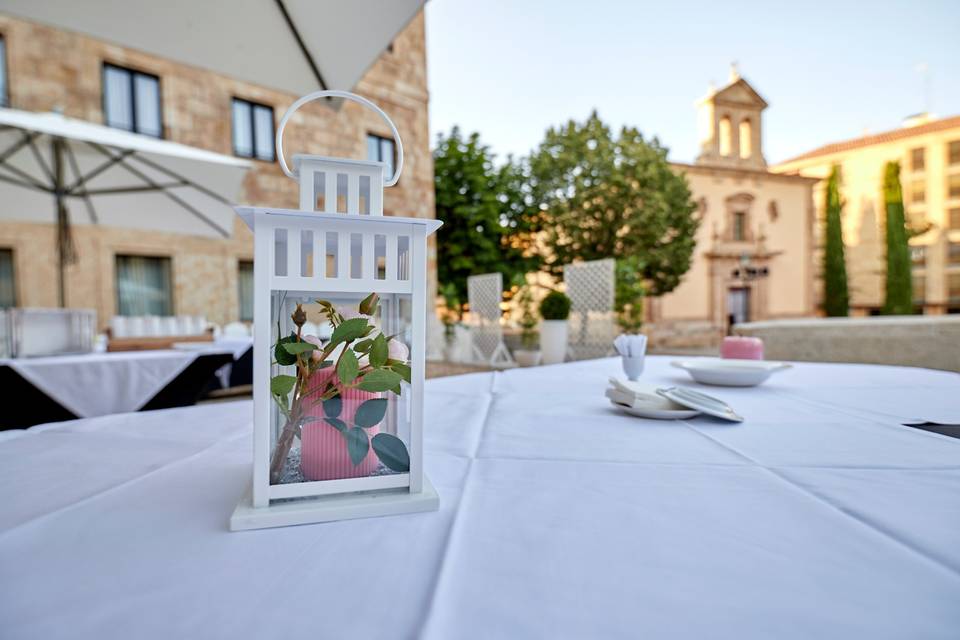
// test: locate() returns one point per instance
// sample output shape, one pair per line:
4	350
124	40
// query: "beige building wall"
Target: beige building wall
750	219
923	149
50	69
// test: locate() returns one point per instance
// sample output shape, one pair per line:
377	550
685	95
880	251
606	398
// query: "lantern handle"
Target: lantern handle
346	95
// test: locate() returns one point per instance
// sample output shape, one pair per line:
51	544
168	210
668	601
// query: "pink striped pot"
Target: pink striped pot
323	449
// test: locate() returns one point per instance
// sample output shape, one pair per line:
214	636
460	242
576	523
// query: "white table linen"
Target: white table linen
819	516
96	384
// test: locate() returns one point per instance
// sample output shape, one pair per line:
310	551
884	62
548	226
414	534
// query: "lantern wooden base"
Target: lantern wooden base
333	507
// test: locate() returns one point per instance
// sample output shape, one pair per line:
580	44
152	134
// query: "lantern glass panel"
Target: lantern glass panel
341	409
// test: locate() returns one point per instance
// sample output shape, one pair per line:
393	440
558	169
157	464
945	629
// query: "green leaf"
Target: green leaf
282	385
396	390
332	407
369	304
357	445
379	380
349	330
392	452
281	355
363	346
403	369
379	352
370	413
348	368
297	348
337	424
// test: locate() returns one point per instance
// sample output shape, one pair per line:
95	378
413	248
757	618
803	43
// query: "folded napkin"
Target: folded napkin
631	346
639	395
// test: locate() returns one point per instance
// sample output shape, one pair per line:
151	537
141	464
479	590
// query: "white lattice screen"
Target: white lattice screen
592	325
485	293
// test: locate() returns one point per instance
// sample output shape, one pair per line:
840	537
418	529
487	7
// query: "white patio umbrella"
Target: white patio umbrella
296	46
86	173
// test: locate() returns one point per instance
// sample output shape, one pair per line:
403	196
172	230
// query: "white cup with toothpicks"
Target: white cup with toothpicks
633	351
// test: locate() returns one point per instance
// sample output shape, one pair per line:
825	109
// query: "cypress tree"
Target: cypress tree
836	299
899	294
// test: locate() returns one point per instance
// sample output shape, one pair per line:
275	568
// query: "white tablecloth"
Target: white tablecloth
97	384
819	517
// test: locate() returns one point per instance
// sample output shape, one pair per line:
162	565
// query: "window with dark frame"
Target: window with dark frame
4	89
245	289
8	283
953	185
144	286
131	101
955	218
739	226
383	150
918	192
253	130
953	253
917	160
953	152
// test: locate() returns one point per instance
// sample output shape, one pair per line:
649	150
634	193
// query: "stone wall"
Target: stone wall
50	69
917	341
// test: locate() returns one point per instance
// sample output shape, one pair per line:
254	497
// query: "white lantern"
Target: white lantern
338	420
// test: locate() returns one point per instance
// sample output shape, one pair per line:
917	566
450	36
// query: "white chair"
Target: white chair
485	293
592	325
236	330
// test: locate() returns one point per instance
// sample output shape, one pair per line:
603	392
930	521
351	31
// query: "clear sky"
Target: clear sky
829	70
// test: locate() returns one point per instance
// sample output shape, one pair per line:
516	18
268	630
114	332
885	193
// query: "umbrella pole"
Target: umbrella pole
62	221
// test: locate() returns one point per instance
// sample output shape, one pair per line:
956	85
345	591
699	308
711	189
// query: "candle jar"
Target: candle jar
742	347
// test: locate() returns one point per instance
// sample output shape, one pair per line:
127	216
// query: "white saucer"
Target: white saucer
657	414
654	409
729	372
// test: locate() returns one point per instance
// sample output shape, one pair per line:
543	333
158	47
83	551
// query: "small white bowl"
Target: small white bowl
730	372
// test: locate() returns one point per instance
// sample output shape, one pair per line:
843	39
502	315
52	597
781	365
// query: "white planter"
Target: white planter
553	341
526	358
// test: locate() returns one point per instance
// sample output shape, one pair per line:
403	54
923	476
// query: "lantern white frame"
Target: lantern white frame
326	500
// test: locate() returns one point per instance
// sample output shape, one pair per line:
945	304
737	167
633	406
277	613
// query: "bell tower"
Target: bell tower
731	126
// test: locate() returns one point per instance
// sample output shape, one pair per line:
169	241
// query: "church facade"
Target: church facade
755	244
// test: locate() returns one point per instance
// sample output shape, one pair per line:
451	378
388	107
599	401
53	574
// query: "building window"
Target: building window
953	152
917	160
918	192
739	226
919	287
8	285
918	256
953	288
953	186
144	286
253	130
953	253
746	139
131	101
245	285
4	89
382	150
725	136
955	218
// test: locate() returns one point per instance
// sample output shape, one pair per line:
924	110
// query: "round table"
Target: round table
820	516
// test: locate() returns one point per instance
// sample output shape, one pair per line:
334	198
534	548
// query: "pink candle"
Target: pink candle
742	347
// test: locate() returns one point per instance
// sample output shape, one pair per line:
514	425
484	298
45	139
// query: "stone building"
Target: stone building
928	151
51	69
754	253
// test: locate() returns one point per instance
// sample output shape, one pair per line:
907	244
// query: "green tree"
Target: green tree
899	294
836	299
605	196
488	214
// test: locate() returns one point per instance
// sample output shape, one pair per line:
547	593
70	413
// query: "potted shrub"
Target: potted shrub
529	354
554	309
